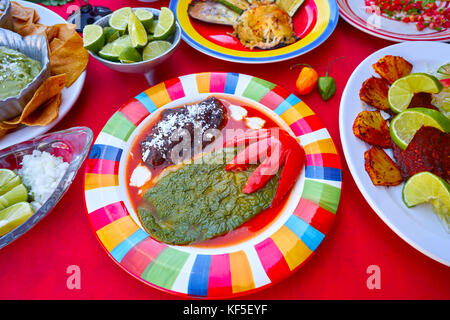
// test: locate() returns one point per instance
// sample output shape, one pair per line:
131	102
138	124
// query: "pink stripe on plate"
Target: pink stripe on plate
217	82
107	214
141	255
174	88
219	283
102	166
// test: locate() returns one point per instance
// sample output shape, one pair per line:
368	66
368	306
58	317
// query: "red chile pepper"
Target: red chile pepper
274	147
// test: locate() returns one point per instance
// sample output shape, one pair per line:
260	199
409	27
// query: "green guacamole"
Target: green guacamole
201	201
16	72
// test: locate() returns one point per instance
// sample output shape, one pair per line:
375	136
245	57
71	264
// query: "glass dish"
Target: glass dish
72	145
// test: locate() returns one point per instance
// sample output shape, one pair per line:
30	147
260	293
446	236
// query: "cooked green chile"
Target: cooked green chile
201	201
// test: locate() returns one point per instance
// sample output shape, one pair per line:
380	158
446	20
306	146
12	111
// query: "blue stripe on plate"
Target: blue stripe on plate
326	173
198	280
102	151
231	82
286	104
122	248
310	236
146	101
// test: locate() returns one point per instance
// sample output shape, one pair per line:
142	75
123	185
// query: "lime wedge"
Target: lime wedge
113	49
405	125
145	17
155	49
111	34
16	194
130	55
442	101
93	37
6	175
444	70
290	6
119	19
152	27
137	32
10	184
402	90
426	187
166	24
14	216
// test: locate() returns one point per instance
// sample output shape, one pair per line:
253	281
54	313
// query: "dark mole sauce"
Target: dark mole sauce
256	225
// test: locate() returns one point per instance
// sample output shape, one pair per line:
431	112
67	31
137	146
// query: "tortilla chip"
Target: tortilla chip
65	30
23	13
55	44
5	126
45	114
3	132
32	29
71	58
49	89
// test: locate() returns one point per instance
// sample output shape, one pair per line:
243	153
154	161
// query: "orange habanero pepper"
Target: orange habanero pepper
306	80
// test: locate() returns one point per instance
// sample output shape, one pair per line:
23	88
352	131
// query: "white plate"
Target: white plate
355	13
68	95
418	226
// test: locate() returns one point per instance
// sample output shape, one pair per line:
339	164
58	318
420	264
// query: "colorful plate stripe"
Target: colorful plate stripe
226	273
328	16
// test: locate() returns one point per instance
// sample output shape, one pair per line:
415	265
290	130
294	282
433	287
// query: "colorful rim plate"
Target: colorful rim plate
418	226
213	272
314	22
68	95
354	12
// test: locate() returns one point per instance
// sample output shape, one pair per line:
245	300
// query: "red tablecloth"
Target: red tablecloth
35	266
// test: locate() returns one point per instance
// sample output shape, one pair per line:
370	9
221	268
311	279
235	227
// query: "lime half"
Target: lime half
119	19
137	32
113	49
16	194
402	90
111	34
166	24
130	55
155	49
14	216
405	125
426	187
93	37
145	17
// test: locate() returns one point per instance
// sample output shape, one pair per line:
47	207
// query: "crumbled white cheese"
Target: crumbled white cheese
140	176
237	113
255	122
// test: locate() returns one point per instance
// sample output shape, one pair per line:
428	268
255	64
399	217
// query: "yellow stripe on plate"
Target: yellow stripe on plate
116	232
293	249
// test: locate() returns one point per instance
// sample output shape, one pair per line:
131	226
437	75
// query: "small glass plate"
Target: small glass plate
72	145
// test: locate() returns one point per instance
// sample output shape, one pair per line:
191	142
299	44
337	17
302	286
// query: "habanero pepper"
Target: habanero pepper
326	84
306	79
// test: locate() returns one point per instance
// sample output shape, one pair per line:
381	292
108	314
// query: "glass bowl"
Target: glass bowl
72	145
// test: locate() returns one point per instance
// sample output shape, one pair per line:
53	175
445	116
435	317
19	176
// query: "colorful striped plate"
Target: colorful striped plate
369	20
313	24
225	271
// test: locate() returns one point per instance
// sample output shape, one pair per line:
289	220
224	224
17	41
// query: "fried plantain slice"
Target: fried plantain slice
381	168
370	127
392	68
374	92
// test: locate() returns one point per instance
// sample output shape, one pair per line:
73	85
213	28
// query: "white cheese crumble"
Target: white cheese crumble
255	122
140	176
237	113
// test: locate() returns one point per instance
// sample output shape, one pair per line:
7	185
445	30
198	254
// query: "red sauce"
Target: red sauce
249	229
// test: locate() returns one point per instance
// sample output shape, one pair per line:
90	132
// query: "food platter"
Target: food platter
313	23
418	226
68	95
266	257
356	13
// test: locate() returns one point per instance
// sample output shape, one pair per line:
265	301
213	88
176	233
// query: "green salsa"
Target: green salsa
16	72
200	201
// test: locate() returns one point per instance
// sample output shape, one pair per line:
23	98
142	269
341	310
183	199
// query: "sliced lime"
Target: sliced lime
130	55
405	125
402	90
111	34
14	216
145	17
442	101
426	187
166	24
16	194
444	70
6	175
137	32
152	27
119	19
155	49
10	184
93	37
113	49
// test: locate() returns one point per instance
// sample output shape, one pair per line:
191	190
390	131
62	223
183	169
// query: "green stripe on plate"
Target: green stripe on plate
165	269
257	89
325	195
119	126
